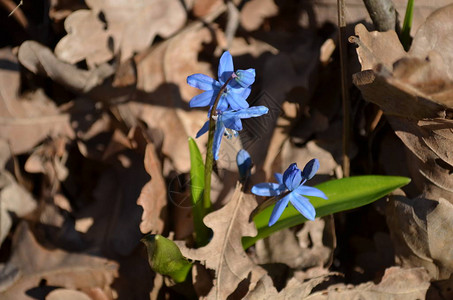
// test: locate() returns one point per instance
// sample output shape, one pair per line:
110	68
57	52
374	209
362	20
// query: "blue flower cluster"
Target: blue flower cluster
291	184
234	88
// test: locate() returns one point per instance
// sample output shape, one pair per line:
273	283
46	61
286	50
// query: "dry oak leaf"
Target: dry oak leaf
428	144
224	254
255	12
67	294
14	199
131	26
421	231
396	284
414	85
32	117
153	197
294	289
40	60
30	264
86	39
416	90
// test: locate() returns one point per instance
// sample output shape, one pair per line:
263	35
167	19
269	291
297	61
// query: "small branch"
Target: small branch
16	12
18	5
383	14
344	86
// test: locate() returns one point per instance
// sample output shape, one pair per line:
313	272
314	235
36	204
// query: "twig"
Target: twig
16	12
383	14
18	5
344	87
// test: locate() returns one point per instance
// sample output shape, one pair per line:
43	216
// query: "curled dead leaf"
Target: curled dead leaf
153	197
224	254
40	60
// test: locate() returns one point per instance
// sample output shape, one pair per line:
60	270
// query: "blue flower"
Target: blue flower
293	181
234	94
229	123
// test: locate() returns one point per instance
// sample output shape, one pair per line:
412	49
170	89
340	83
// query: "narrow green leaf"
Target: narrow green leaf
202	233
165	258
343	194
405	36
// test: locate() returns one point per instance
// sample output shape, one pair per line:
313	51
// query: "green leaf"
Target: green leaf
405	36
165	258
202	233
343	194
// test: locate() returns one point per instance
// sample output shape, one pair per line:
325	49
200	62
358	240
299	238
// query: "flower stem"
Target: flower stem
209	154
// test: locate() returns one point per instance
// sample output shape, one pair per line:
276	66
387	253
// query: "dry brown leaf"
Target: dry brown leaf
428	145
434	36
56	267
131	26
421	231
153	197
293	290
224	254
424	75
14	199
412	90
40	60
377	48
33	117
86	39
202	8
254	12
67	294
397	284
415	92
301	251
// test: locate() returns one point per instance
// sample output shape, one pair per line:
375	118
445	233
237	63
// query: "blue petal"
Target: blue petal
303	206
245	77
218	134
204	99
292	177
244	162
278	210
251	112
268	189
226	67
310	169
236	100
279	178
232	123
203	129
246	92
310	191
223	103
202	82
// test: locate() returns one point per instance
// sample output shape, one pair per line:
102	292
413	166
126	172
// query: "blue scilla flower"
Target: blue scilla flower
293	181
235	92
244	162
229	123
